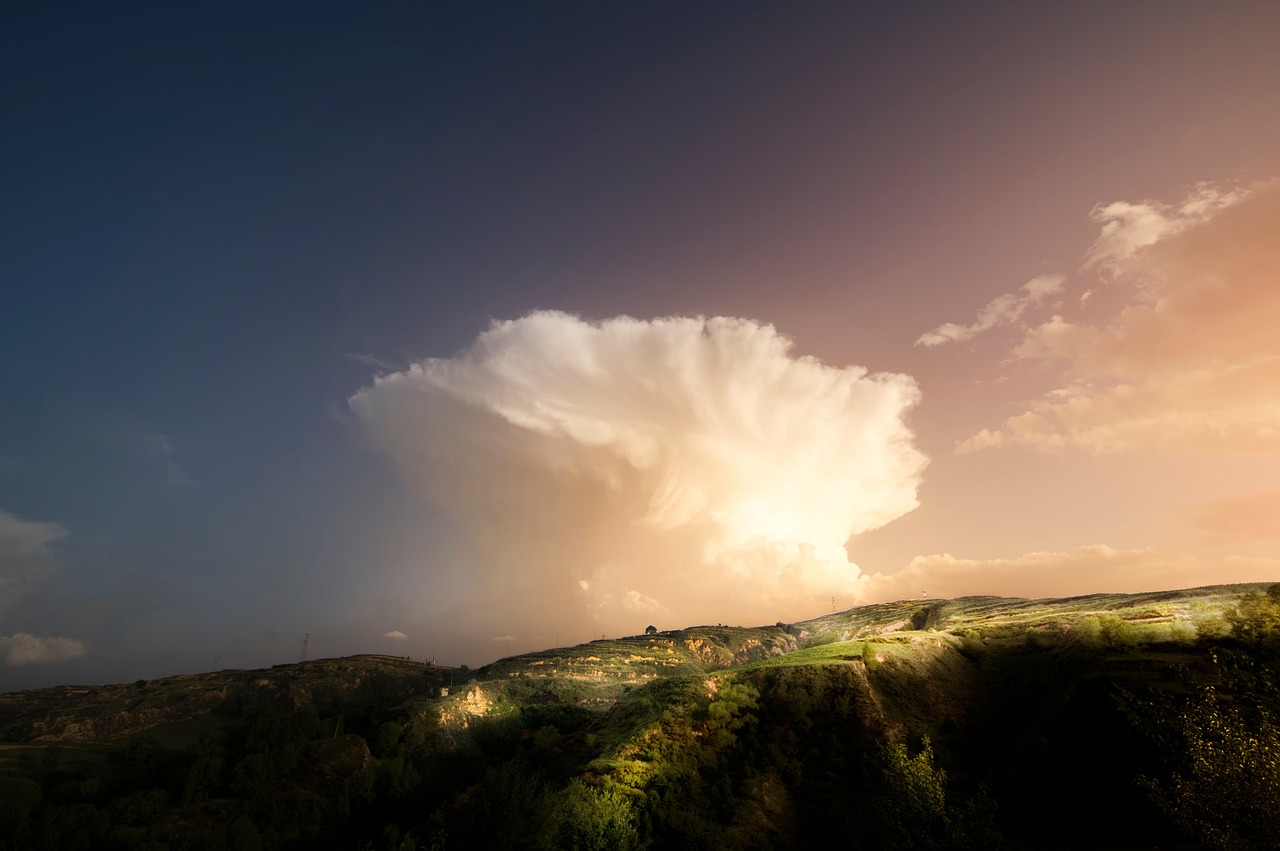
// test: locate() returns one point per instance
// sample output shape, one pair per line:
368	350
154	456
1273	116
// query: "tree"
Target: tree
650	630
1257	617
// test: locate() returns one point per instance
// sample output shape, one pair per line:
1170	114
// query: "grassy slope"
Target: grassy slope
999	685
177	709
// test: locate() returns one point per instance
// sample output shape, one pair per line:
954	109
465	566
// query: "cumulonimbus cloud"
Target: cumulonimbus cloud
25	649
682	467
1190	359
1002	310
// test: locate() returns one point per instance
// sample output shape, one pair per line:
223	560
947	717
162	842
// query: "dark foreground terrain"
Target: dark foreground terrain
1106	721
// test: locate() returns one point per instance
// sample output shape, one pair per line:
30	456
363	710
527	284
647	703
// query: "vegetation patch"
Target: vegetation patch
971	723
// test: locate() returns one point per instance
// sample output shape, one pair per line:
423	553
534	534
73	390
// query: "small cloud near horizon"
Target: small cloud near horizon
23	648
396	634
26	561
1090	569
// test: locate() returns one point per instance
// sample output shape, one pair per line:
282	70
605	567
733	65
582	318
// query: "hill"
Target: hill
975	722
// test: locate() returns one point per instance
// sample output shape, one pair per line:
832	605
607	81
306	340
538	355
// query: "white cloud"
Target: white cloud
396	634
610	468
636	602
25	649
1191	358
24	554
1129	227
1080	570
1002	310
25	559
374	361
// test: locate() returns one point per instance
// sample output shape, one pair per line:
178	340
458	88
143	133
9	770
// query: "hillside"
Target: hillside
974	722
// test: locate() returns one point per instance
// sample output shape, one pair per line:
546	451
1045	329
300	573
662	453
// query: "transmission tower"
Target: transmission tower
217	661
306	639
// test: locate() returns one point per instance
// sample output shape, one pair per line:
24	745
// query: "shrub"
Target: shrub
1117	632
594	818
1257	616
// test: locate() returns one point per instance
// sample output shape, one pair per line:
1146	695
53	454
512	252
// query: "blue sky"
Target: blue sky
221	221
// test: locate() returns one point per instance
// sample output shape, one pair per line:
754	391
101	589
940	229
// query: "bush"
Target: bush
1117	632
1257	616
594	818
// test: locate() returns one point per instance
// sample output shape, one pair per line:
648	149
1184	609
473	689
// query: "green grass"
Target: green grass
601	674
821	654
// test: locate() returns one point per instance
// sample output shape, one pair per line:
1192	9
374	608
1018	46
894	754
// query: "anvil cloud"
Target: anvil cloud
672	469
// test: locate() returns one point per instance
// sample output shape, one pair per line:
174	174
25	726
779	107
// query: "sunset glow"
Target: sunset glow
407	327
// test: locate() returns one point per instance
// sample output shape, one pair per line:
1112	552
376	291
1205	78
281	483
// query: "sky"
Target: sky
458	330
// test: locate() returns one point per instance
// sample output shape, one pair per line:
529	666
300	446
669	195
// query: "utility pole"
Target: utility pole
306	639
833	604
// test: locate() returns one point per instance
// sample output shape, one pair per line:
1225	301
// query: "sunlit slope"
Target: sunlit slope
1154	613
913	724
926	636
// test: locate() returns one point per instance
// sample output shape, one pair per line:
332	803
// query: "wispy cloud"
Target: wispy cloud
374	361
154	449
160	447
1190	359
1002	310
1129	227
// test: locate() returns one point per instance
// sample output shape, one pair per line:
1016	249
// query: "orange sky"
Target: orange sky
414	327
1142	416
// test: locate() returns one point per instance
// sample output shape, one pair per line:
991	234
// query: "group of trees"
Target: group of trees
772	758
1223	786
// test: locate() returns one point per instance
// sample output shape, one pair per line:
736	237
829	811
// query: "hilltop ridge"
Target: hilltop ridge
922	723
595	671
